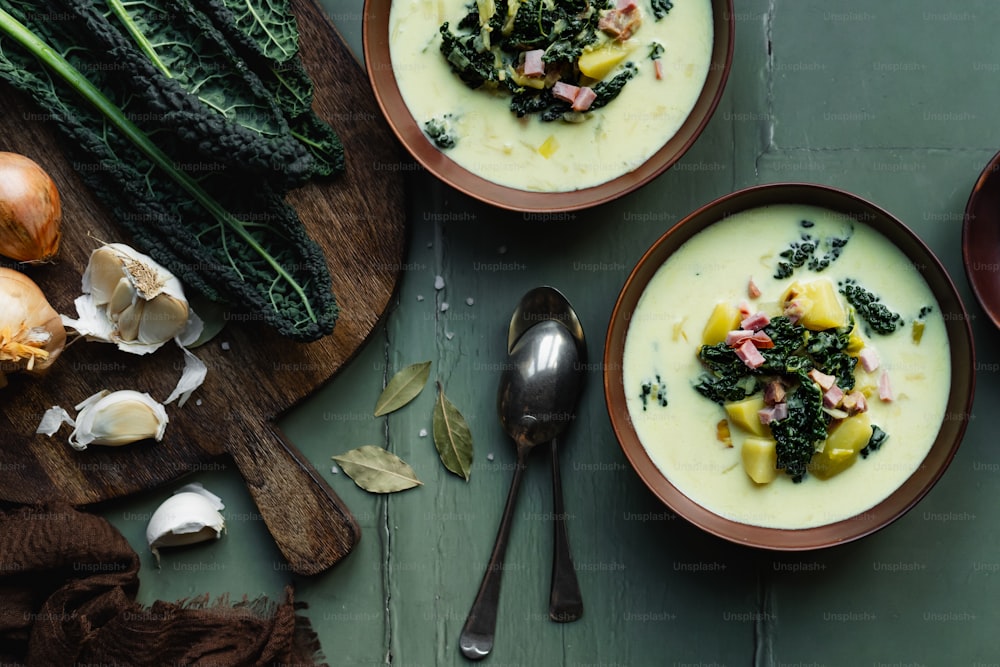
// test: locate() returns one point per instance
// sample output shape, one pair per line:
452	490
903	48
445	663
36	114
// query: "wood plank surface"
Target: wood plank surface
253	374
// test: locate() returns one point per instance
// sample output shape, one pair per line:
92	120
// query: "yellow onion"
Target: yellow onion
31	332
30	210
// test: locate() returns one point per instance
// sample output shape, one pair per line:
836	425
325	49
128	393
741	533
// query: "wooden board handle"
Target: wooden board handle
310	524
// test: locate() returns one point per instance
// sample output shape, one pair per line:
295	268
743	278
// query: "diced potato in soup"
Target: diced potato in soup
724	318
843	287
745	414
759	459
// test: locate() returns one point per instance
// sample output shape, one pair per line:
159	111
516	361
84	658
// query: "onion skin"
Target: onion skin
30	210
25	312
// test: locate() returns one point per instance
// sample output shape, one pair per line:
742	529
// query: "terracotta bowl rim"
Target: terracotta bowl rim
981	241
375	48
962	372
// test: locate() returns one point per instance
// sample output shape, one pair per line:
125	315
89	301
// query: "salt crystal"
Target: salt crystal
335	470
225	345
423	433
449	335
489	457
438	282
420	297
470	301
444	306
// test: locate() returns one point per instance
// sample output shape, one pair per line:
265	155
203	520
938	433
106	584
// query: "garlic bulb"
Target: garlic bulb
190	515
131	300
134	302
31	333
112	418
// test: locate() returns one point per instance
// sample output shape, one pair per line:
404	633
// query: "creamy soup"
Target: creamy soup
680	432
528	154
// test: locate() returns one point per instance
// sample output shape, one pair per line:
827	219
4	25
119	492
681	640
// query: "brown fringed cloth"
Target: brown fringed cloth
68	581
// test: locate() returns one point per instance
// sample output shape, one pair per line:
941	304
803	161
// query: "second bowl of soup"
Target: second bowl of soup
789	367
537	106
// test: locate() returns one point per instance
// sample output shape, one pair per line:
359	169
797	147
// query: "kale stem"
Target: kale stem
72	76
140	39
541	28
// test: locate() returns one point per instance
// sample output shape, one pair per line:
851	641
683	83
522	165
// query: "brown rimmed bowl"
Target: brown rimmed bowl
962	369
375	40
981	239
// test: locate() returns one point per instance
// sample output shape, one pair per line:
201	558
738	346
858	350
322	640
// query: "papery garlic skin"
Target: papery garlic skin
32	334
189	516
131	300
118	418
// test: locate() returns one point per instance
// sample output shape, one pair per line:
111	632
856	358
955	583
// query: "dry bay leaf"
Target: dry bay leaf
403	388
452	436
377	470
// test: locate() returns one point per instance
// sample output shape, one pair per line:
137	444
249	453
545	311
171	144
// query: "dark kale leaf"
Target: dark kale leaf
646	392
608	90
804	252
528	100
875	442
879	319
473	66
835	245
440	132
797	434
728	378
255	262
828	350
661	8
795	256
471	21
537	24
787	338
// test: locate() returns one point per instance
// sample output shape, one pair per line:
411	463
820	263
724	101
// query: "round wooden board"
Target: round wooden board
359	220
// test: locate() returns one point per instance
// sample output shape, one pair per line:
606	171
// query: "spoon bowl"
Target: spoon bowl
540	385
542	304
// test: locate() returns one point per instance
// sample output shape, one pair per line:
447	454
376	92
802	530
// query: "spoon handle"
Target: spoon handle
565	598
476	640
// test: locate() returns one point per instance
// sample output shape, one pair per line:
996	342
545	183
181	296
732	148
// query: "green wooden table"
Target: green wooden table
894	101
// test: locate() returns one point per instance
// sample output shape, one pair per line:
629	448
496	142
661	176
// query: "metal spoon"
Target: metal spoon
539	305
538	391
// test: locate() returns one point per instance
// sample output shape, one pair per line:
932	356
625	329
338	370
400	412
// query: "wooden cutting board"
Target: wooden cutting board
359	219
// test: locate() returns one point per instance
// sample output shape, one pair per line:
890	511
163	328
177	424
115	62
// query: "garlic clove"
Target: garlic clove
121	298
129	321
118	418
159	318
189	516
102	275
